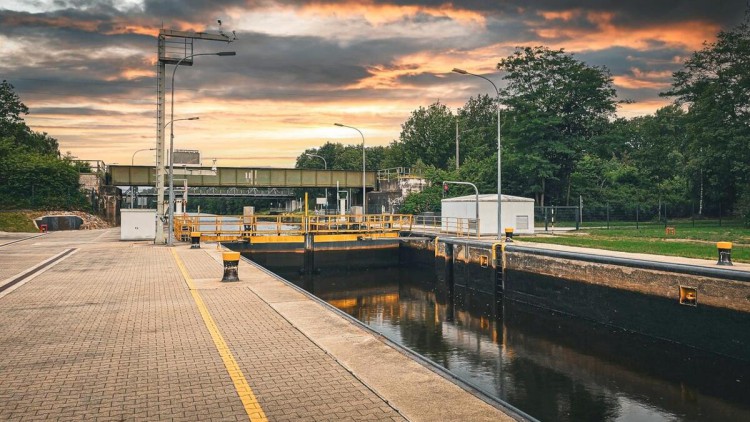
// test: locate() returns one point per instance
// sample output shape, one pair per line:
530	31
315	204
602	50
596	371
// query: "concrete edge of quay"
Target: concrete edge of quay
414	385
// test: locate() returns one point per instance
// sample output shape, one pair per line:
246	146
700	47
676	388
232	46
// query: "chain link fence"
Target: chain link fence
630	215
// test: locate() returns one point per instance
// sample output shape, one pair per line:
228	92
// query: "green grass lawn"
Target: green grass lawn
689	242
13	221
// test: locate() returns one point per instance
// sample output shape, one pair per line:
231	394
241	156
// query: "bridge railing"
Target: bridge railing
454	226
224	228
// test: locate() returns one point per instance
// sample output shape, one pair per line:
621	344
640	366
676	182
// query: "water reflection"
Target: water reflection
550	366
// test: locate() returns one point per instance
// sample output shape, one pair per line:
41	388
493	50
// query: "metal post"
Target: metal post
163	59
580	209
607	215
637	217
160	166
499	154
325	166
364	190
170	237
457	143
499	170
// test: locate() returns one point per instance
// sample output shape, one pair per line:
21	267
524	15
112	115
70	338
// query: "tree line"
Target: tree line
33	173
561	137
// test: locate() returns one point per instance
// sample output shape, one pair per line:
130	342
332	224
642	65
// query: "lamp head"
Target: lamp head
338	124
193	118
461	71
226	53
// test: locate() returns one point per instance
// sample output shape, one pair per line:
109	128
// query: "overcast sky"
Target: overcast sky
86	68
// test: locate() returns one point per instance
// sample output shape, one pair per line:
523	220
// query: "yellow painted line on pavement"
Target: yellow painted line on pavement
252	407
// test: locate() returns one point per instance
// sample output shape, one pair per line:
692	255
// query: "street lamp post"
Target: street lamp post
132	163
325	166
364	192
170	240
499	154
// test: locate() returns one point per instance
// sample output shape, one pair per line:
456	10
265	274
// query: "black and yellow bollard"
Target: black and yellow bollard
195	240
725	253
231	264
509	234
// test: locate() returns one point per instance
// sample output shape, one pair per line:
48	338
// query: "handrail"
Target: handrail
226	228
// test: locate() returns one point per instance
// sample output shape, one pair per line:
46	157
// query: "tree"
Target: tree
11	107
12	125
714	87
31	173
477	121
555	107
429	135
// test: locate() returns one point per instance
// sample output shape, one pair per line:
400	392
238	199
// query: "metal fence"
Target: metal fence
626	215
638	215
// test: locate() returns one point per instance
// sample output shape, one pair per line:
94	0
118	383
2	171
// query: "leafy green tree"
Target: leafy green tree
477	121
428	134
714	86
11	107
31	173
342	157
12	125
556	105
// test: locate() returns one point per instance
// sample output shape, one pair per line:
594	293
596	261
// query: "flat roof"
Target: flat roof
488	197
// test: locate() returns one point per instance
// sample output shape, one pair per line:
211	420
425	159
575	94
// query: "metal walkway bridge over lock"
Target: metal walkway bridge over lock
244	177
292	228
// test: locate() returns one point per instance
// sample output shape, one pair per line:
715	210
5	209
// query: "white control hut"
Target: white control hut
518	213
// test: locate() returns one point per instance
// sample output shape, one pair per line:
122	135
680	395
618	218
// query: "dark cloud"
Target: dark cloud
84	111
180	9
620	60
78	49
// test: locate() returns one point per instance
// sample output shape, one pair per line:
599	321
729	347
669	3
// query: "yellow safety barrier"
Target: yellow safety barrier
229	228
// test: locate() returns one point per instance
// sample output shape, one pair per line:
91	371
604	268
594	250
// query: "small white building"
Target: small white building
137	224
518	212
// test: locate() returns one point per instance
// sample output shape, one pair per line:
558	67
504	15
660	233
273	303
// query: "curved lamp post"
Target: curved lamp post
132	163
499	154
325	166
170	240
364	192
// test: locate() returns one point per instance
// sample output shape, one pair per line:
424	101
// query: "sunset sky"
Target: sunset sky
86	68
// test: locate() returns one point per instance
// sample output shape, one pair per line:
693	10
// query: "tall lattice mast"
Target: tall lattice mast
173	46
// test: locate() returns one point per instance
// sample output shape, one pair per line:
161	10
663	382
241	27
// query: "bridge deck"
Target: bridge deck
114	330
245	177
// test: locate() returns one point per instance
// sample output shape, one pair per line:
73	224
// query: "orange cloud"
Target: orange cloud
644	79
690	34
382	14
636	83
642	108
563	16
482	60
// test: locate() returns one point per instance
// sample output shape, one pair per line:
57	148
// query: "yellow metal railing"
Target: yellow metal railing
227	228
224	228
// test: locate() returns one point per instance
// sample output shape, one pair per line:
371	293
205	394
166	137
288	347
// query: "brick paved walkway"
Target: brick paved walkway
113	332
